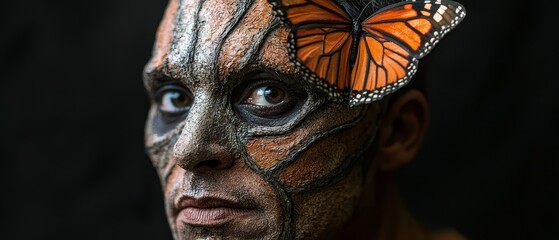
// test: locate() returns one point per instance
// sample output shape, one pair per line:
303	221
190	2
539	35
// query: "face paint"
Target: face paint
244	147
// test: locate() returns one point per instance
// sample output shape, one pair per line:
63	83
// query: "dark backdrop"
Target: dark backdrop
72	110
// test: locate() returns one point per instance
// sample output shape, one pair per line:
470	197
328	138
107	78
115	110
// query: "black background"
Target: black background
72	111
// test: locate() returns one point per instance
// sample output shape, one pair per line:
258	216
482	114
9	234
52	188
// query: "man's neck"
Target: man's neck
382	215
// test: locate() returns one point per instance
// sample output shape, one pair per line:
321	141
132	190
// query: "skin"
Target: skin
234	166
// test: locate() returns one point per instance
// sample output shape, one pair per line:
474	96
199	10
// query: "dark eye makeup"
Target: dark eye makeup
268	99
263	98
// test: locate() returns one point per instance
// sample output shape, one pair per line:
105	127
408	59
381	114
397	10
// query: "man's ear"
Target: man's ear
402	130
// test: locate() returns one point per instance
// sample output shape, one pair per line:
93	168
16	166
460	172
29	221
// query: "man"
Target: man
247	149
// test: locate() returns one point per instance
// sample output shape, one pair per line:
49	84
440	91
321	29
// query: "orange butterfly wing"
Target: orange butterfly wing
395	38
320	40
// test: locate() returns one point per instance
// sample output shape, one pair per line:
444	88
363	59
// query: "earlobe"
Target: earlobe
402	130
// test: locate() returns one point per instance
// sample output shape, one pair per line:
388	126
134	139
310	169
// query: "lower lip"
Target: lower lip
209	216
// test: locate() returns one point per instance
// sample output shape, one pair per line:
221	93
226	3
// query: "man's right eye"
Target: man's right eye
173	100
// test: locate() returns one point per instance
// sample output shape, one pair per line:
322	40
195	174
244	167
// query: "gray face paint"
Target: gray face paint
264	167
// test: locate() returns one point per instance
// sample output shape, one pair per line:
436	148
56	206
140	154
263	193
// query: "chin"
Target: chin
230	230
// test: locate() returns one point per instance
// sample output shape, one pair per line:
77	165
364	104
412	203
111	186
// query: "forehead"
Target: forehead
205	42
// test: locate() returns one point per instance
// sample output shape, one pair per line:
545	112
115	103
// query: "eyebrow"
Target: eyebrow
154	78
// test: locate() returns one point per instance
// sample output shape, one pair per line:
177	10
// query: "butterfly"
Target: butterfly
363	58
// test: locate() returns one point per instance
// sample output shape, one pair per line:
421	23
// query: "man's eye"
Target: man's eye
268	99
174	100
266	96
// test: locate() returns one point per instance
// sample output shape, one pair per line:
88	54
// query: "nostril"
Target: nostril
209	164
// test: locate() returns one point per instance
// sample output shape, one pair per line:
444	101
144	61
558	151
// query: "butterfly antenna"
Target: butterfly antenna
364	8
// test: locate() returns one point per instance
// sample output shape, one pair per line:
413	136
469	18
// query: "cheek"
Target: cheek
325	160
267	152
325	181
273	152
316	166
308	156
157	146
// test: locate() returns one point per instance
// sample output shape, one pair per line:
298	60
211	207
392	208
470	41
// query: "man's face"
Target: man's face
244	148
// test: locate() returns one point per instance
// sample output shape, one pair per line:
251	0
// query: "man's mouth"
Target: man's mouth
210	211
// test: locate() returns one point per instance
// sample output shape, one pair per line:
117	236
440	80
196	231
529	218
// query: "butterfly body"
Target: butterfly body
363	58
357	30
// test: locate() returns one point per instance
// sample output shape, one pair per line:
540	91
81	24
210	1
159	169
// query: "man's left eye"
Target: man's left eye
268	99
266	96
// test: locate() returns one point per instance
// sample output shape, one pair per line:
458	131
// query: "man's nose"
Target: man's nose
205	142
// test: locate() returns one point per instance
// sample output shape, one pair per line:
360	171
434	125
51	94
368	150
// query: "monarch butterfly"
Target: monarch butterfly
363	59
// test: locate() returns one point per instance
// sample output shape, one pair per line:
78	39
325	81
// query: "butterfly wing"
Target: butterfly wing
395	38
320	41
381	68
